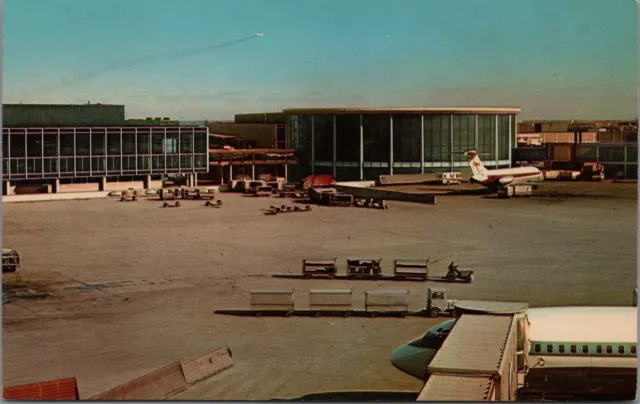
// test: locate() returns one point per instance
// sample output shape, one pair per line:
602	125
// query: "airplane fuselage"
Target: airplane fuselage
508	176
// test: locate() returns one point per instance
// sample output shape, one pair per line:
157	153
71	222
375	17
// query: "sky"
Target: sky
202	59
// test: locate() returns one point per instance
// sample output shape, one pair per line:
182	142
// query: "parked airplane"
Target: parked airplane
594	340
504	176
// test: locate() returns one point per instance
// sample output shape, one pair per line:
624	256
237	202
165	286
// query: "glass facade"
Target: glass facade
93	152
355	146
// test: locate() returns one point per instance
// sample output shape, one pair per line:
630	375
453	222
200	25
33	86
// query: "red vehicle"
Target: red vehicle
315	180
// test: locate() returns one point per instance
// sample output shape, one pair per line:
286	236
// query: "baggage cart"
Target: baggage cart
273	301
417	269
330	301
391	301
319	267
364	267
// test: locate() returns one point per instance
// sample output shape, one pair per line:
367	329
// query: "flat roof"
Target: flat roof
475	344
487	307
388	292
441	387
331	291
396	110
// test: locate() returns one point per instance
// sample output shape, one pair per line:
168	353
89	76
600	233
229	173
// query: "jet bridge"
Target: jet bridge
484	356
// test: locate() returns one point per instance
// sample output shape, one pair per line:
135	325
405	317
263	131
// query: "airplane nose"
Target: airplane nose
410	360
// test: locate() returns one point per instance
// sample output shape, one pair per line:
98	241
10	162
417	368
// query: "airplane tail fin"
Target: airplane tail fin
475	163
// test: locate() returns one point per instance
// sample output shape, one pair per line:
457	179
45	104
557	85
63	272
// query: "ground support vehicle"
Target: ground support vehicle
263	191
337	199
274	301
391	302
168	194
437	303
453	274
128	195
411	269
364	268
216	204
187	193
453	178
274	210
319	267
330	302
370	203
10	260
168	205
592	172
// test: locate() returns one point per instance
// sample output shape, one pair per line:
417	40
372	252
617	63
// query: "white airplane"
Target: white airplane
259	34
504	176
562	341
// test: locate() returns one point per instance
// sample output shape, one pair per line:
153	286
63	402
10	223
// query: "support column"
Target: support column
476	134
195	179
313	147
361	150
6	187
496	140
421	144
511	136
253	172
452	157
230	174
335	153
147	181
103	184
391	144
286	169
55	186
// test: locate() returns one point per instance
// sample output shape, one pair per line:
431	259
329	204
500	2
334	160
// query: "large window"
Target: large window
323	137
503	137
348	137
437	136
407	134
464	135
376	137
487	138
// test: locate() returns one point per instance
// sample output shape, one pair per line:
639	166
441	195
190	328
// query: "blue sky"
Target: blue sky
555	59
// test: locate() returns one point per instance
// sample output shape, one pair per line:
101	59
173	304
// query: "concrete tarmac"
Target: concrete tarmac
133	286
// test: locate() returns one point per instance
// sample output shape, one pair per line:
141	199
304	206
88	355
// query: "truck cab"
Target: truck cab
437	302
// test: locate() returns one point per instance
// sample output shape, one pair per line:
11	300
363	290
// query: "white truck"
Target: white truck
452	178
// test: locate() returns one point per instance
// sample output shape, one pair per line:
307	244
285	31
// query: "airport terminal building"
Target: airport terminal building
364	143
91	147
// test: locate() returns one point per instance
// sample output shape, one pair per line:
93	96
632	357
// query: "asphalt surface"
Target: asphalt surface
132	287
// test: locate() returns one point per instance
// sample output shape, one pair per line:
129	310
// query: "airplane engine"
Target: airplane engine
505	180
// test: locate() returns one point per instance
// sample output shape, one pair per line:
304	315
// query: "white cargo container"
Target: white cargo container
411	268
266	300
505	192
387	300
522	190
452	178
330	299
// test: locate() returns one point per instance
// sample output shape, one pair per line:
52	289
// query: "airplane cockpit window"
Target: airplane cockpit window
435	337
430	340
